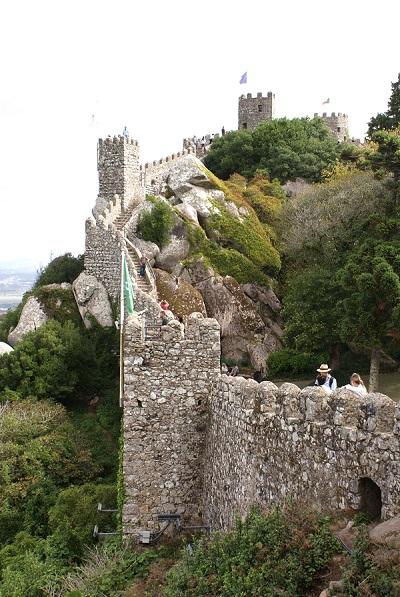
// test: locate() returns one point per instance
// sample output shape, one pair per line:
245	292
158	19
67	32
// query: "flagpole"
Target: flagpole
121	334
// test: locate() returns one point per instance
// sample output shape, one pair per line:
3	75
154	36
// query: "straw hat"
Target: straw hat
324	368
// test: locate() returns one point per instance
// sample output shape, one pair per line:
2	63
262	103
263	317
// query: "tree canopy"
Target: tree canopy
391	118
283	149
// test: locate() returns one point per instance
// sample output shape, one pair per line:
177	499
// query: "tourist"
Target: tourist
142	266
234	371
223	131
356	385
166	314
325	380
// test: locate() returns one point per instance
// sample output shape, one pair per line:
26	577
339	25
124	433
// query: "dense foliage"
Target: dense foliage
280	553
283	149
60	361
155	225
391	118
342	285
64	268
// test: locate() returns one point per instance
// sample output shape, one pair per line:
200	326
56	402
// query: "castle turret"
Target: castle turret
254	110
118	167
338	123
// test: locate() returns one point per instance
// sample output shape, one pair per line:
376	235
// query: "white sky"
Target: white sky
166	69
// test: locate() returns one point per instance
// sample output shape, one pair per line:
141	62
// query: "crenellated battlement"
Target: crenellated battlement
117	140
268	443
374	413
254	110
338	123
167	160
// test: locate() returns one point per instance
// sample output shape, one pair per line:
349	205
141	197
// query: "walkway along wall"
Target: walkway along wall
168	382
265	444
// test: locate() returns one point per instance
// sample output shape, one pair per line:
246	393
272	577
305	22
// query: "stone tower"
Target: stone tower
338	123
118	168
254	110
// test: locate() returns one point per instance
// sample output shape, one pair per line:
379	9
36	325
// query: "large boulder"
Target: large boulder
185	173
5	348
175	251
387	533
245	336
181	295
32	317
92	300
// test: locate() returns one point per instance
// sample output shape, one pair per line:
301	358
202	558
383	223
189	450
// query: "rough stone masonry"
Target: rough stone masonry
208	446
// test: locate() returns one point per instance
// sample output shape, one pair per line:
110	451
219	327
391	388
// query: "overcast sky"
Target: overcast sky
165	69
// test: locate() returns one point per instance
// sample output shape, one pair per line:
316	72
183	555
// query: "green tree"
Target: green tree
64	268
391	118
369	313
60	362
284	149
156	224
311	324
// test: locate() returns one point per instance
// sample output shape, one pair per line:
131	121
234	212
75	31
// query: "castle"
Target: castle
200	447
252	111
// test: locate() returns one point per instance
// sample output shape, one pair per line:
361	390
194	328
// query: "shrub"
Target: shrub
156	225
76	508
107	570
64	268
58	361
281	553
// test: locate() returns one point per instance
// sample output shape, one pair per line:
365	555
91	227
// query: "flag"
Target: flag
327	101
243	78
127	287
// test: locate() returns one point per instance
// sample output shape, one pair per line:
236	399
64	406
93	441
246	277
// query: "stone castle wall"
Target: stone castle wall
338	123
103	255
153	173
167	386
254	110
266	444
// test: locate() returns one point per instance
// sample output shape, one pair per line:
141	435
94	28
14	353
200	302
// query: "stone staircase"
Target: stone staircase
122	219
142	282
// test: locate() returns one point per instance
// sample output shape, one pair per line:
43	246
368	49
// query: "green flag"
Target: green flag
128	288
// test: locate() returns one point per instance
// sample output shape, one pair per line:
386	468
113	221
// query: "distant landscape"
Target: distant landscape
13	283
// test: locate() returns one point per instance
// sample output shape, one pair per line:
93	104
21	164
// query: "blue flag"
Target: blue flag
243	78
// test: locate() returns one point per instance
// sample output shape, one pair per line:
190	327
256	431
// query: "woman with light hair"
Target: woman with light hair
356	385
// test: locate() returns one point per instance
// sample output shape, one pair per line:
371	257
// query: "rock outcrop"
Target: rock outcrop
248	328
32	317
92	300
182	296
5	348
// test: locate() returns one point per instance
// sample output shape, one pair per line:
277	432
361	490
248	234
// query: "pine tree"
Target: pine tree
391	118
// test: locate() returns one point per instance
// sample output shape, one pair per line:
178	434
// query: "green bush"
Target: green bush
156	225
365	575
287	362
60	361
281	553
64	268
40	453
76	508
27	576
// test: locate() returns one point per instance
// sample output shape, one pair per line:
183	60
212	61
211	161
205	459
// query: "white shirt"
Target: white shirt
329	388
360	390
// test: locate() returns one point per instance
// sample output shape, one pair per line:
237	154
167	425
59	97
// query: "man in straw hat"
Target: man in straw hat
325	380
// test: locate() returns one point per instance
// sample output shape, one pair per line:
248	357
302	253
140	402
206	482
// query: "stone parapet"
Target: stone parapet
266	444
